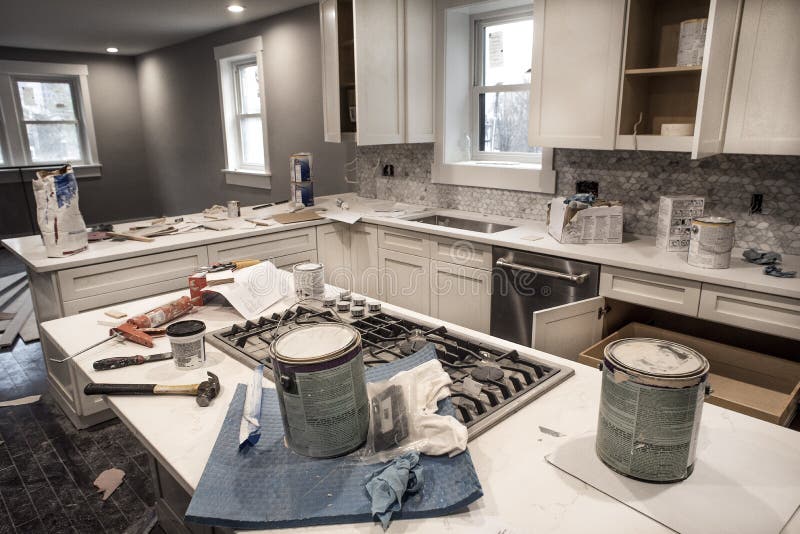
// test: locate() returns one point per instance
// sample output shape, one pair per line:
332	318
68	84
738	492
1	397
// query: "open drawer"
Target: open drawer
744	381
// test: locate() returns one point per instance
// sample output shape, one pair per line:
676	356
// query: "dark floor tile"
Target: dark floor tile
18	503
5	457
33	526
52	515
14	441
6	526
30	472
138	480
84	520
143	461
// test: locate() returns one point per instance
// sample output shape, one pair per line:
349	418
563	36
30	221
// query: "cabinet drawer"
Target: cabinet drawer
652	290
76	306
290	260
477	255
264	247
114	276
405	241
772	314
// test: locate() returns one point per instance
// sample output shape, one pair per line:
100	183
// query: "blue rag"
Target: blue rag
770	260
774	270
387	485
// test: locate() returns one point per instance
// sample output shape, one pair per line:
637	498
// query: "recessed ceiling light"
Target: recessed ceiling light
112	49
235	8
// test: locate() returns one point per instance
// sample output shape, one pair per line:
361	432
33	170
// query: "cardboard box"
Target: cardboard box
675	214
600	224
755	384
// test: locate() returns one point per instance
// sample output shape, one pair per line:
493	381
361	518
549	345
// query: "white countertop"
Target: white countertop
522	492
636	252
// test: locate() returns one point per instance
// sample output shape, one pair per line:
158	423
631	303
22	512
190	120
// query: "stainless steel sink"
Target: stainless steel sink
462	224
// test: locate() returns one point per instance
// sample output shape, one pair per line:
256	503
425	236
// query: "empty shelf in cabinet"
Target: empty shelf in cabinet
663	71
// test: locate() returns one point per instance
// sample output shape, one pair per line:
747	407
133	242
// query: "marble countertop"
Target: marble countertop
522	491
636	252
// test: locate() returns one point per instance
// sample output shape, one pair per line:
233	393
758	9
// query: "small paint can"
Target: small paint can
651	402
186	338
309	280
303	193
300	166
691	41
233	209
711	242
322	391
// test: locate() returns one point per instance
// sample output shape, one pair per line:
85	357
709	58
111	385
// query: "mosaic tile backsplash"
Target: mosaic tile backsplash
638	179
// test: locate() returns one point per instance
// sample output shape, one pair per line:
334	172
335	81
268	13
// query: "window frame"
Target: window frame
240	114
13	130
228	58
76	106
477	52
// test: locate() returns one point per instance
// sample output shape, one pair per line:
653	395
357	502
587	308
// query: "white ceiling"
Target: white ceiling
133	26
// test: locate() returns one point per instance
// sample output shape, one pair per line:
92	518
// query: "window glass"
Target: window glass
54	142
504	120
2	157
249	98
252	141
507	52
46	101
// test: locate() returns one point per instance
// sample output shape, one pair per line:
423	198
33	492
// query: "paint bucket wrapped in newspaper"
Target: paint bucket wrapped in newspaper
60	220
651	402
691	42
711	242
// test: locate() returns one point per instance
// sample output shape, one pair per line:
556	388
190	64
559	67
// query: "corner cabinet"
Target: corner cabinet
764	113
577	53
377	65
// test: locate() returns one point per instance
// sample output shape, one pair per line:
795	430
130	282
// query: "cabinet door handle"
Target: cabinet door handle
575	278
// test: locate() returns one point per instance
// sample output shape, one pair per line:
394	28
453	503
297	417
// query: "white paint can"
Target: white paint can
187	341
309	280
651	403
691	42
711	242
322	391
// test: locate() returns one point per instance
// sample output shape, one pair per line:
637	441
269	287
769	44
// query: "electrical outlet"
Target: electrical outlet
756	203
388	170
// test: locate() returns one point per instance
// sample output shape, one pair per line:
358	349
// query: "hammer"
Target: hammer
203	392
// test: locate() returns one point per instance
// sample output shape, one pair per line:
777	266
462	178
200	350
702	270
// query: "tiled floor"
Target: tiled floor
47	466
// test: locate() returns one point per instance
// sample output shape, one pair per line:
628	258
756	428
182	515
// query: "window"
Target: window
47	116
243	113
501	90
483	80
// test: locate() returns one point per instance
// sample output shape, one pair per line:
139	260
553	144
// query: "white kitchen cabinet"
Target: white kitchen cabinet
676	295
333	251
577	55
364	259
287	263
764	112
568	329
377	65
458	251
655	91
266	247
407	241
461	295
771	314
405	280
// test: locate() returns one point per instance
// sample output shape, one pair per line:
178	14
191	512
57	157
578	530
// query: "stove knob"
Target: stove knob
329	302
374	307
343	306
344	295
357	311
359	301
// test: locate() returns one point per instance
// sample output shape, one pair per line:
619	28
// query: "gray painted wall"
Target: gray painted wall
124	191
183	126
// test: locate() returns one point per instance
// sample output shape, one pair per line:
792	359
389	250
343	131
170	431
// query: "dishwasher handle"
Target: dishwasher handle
575	278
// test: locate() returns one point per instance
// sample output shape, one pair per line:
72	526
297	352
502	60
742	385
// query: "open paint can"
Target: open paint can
322	393
650	407
711	242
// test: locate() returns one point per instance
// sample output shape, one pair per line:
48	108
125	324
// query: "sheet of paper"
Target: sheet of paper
255	289
345	216
742	482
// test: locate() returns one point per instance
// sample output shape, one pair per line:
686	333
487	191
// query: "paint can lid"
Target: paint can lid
314	343
307	266
186	328
656	358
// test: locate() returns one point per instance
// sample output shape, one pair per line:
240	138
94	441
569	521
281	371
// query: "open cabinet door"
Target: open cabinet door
329	34
715	80
568	329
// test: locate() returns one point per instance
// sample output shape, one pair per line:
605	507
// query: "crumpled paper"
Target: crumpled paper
387	486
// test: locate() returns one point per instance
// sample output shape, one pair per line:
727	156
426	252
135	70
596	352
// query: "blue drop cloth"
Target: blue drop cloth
269	486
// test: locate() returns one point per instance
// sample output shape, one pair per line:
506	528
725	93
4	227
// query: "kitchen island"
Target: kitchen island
522	492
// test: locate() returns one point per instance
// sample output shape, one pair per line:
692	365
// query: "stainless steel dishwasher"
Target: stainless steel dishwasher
525	282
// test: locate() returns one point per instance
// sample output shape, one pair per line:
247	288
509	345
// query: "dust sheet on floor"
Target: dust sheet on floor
272	487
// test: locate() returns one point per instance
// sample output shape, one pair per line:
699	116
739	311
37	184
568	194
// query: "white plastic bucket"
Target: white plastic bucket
188	344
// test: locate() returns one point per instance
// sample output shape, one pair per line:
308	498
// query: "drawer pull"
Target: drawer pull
575	278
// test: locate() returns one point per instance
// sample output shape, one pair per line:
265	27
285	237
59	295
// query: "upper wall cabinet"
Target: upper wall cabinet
764	113
659	89
577	53
377	68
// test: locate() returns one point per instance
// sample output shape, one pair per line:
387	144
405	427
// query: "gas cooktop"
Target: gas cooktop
489	383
